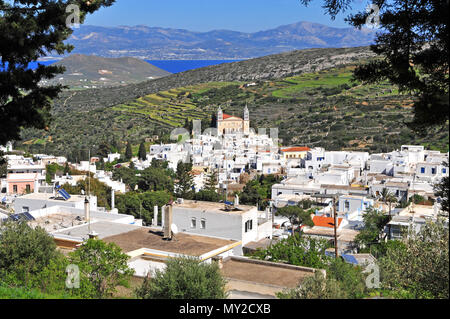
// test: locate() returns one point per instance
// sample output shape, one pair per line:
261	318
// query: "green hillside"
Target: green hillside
324	108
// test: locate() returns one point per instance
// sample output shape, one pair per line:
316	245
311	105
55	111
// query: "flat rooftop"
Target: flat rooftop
144	237
212	207
51	197
104	229
262	272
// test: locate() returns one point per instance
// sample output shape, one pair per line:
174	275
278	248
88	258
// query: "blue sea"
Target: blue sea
172	66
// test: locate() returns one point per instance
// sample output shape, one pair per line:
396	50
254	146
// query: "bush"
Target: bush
184	278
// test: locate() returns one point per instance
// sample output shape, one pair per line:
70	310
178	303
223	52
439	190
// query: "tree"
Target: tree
30	29
128	152
104	265
66	169
214	120
211	181
207	196
442	190
342	281
419	265
142	154
155	179
103	149
297	215
412	53
314	287
97	188
184	278
374	223
297	250
3	165
24	252
184	187
127	175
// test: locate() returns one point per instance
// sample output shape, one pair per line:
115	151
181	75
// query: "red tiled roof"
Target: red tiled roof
323	221
296	149
226	116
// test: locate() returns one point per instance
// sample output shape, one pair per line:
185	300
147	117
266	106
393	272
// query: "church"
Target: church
230	124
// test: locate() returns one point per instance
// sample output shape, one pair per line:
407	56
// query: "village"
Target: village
341	185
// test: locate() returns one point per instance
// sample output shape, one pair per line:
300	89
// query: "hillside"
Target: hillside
269	67
163	43
315	108
83	71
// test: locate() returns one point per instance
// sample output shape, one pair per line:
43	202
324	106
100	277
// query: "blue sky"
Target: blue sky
206	15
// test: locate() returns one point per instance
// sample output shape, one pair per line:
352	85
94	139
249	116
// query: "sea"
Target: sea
172	66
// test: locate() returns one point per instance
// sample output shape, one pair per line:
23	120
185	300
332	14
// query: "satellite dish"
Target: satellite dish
174	229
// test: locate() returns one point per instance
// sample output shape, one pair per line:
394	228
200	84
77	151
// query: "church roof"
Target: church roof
226	116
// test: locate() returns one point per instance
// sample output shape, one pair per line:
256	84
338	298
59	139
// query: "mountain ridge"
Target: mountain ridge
157	43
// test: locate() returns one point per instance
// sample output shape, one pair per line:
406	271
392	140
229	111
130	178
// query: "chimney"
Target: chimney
163	211
86	210
113	199
168	222
155	216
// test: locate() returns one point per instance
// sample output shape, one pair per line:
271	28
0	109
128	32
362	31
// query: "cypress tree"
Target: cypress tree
142	152
128	152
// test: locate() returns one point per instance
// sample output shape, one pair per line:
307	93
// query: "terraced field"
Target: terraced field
171	108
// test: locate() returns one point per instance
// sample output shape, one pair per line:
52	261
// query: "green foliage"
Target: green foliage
31	29
127	175
3	165
207	196
27	293
128	152
141	205
142	154
184	187
403	59
103	266
259	190
24	252
297	250
155	179
184	278
297	215
374	223
442	190
419	265
97	188
51	170
315	287
211	181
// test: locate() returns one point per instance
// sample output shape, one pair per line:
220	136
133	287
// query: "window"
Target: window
28	188
433	170
422	170
444	171
25	209
14	188
248	225
347	205
203	223
194	222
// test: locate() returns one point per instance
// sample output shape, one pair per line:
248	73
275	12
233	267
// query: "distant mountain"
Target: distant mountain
162	43
87	71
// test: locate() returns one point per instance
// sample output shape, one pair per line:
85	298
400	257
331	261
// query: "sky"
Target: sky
207	15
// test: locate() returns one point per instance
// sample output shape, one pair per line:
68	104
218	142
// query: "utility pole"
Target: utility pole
335	228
